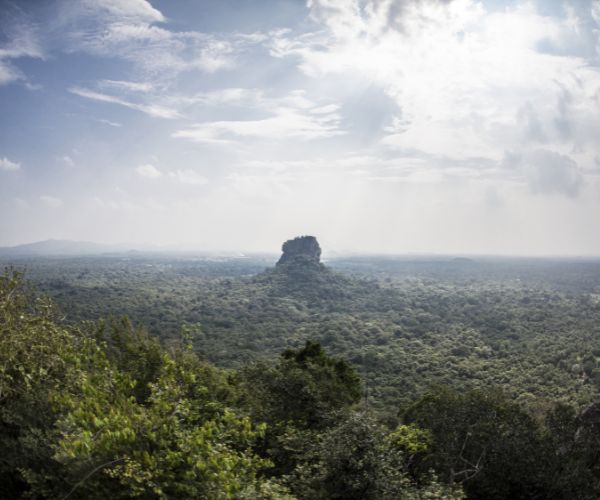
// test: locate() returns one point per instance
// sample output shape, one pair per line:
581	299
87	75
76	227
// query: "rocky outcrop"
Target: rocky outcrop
300	274
303	249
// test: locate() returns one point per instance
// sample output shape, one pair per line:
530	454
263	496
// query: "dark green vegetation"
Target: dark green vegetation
365	378
103	411
528	327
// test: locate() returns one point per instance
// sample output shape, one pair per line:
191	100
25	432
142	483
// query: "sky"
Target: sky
379	126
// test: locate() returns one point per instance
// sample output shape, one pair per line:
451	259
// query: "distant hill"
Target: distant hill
60	247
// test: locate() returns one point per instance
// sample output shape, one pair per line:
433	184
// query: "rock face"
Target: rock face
303	249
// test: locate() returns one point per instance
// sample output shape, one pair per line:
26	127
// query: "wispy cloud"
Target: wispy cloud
8	73
9	166
188	176
286	124
130	32
20	203
150	109
127	86
137	10
109	122
51	201
292	116
249	97
149	171
180	175
160	52
22	42
67	161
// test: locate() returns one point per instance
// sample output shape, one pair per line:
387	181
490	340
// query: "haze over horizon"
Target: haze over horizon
390	126
57	247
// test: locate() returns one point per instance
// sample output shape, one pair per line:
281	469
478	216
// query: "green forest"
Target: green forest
152	376
171	328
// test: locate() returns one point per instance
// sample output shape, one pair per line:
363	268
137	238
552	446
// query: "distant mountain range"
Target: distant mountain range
61	247
54	247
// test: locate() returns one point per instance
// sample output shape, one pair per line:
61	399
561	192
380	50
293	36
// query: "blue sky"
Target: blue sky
377	125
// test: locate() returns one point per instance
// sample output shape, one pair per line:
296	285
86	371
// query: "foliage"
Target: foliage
473	377
180	444
528	327
74	424
357	460
305	388
485	442
38	359
411	439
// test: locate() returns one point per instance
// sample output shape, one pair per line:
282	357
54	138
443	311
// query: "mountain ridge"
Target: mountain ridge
61	247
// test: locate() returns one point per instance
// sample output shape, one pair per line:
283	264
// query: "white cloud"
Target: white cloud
234	95
204	133
110	123
323	110
7	165
145	97
214	55
22	42
138	10
8	73
254	98
596	11
285	125
21	204
547	172
149	171
155	110
411	167
68	161
188	176
160	52
51	201
290	117
467	82
129	32
128	86
398	134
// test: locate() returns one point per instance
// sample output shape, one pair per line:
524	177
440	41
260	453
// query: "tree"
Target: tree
179	444
38	359
82	418
483	441
306	388
359	460
305	392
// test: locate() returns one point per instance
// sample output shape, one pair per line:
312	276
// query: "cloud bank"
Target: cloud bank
420	125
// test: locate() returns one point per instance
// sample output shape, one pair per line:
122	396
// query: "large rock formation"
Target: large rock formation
300	274
301	250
